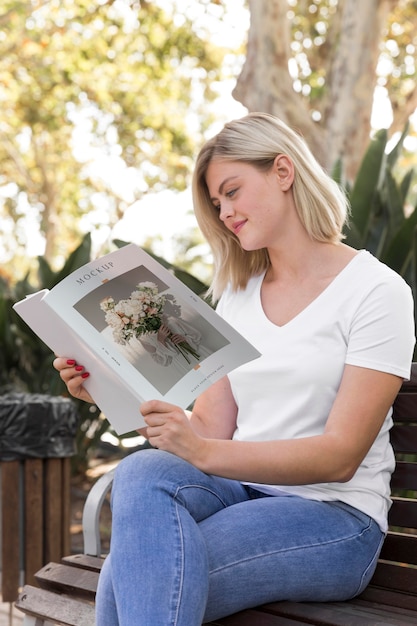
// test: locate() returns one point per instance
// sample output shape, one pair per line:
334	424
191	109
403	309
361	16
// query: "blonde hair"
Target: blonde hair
257	139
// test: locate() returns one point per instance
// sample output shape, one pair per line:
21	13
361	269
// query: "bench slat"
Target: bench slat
400	549
395	578
55	608
403	513
391	598
403	438
84	561
404	409
254	618
405	476
81	583
353	613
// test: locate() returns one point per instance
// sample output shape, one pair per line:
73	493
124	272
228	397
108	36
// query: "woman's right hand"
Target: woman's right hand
73	376
163	334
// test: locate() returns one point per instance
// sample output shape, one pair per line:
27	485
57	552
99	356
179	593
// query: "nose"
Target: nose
226	210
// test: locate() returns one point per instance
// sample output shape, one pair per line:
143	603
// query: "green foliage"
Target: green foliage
315	34
26	362
382	219
87	89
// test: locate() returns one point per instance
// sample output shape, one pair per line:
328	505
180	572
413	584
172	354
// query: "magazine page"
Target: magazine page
143	327
118	403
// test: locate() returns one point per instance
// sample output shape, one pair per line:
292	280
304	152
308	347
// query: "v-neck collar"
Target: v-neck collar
323	294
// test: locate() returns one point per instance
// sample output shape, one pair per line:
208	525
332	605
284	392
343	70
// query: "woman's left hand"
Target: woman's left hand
176	338
169	429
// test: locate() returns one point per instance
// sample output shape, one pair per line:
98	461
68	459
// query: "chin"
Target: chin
250	247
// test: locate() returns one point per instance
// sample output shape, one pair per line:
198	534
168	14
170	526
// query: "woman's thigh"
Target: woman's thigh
287	548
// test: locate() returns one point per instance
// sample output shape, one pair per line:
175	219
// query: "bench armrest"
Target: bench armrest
91	513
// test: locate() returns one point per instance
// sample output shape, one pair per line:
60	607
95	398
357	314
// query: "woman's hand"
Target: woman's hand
164	334
73	376
169	429
176	338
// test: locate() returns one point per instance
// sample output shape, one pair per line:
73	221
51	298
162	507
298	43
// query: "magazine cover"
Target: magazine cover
139	331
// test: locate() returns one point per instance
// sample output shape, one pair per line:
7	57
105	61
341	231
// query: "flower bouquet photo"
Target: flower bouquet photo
143	314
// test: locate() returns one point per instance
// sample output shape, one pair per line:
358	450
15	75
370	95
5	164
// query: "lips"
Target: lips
237	226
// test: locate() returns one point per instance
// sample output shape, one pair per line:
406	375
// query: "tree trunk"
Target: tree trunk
48	196
351	82
266	85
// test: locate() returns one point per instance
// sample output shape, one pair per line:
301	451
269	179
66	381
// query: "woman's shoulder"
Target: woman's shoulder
370	267
233	298
372	281
251	287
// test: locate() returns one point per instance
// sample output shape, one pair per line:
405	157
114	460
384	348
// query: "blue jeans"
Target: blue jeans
188	547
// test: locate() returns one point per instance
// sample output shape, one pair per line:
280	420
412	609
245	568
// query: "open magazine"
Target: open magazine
139	331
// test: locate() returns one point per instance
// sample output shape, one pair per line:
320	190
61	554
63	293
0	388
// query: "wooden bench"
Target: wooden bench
67	589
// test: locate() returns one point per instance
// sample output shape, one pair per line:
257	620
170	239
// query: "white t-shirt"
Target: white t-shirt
365	317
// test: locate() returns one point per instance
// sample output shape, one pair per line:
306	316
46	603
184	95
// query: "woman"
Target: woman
276	487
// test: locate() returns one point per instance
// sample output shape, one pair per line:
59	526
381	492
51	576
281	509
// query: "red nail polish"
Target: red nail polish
79	368
85	375
70	362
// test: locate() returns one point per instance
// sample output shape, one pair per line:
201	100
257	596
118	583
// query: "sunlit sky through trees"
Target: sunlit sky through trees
166	215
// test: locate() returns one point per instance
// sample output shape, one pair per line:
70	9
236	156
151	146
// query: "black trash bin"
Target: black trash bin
37	441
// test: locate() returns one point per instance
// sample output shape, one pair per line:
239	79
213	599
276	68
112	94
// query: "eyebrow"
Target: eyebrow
226	180
221	187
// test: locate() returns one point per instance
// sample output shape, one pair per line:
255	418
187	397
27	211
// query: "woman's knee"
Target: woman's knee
144	466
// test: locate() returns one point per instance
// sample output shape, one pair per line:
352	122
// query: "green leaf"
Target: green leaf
400	250
394	154
367	182
337	172
406	184
393	201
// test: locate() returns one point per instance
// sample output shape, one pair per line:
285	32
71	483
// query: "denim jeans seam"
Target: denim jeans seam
294	549
371	563
180	565
178	489
175	493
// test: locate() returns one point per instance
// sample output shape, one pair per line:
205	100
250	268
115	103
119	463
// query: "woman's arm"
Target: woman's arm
357	415
214	413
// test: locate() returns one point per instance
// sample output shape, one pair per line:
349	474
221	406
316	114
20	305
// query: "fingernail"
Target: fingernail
79	368
70	362
85	375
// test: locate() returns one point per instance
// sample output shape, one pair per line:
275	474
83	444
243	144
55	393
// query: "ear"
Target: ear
284	170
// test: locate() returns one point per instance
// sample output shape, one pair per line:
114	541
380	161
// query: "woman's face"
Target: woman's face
253	205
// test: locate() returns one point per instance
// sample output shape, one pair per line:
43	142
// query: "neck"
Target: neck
300	262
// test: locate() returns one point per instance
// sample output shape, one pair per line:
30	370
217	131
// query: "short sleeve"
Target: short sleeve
382	333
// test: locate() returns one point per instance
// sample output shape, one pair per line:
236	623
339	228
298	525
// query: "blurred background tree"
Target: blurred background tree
84	85
104	103
320	64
